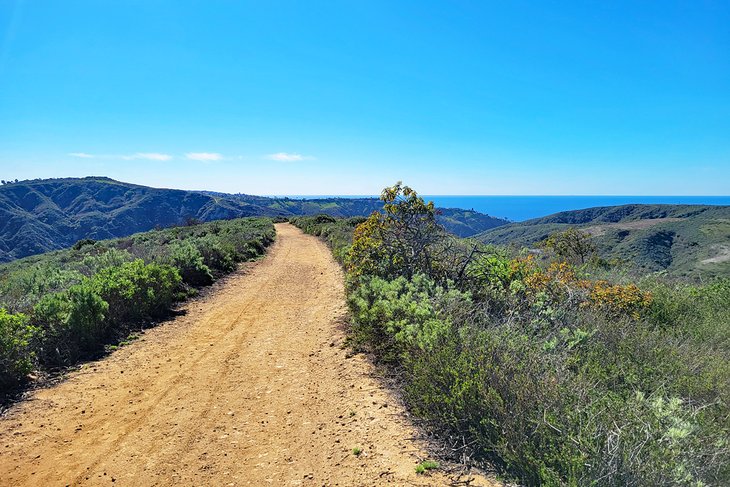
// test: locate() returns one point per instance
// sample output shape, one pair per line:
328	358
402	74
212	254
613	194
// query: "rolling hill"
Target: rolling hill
684	240
48	214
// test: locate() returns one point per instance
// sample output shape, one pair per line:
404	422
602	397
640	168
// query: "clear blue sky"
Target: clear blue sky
344	97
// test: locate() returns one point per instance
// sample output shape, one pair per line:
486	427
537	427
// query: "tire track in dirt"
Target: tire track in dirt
250	387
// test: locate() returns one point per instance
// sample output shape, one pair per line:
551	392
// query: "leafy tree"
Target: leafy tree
572	245
398	241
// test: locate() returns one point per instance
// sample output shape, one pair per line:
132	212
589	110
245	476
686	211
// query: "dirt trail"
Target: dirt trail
250	387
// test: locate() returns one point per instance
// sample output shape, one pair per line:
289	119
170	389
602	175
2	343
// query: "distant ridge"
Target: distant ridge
683	240
48	214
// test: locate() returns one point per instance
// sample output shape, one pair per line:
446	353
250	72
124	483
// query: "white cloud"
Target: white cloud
288	157
204	156
82	155
151	156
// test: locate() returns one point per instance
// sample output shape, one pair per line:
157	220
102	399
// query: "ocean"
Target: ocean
520	208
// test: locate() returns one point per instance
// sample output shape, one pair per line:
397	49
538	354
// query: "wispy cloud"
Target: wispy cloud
149	156
204	156
288	157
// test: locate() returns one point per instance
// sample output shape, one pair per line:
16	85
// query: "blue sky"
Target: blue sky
345	97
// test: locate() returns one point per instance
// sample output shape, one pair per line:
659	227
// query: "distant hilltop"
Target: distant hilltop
47	214
683	240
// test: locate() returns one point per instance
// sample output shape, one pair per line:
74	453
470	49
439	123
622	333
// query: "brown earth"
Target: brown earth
250	387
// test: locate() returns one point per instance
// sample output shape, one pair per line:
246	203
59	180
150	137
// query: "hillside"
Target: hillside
41	215
684	240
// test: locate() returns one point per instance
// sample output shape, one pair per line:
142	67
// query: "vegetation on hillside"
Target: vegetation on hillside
43	215
553	375
65	306
682	240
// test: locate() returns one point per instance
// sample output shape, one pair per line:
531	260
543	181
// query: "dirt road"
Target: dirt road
250	387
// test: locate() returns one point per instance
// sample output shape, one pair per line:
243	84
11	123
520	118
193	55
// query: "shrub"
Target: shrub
319	219
425	466
395	316
86	315
496	388
187	259
618	298
72	322
551	411
135	291
83	243
111	257
16	355
217	255
58	346
23	286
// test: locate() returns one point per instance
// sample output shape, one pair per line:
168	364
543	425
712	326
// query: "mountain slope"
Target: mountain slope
681	239
38	216
42	215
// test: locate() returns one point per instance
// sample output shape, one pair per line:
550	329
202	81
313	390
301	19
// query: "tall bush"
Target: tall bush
136	290
16	354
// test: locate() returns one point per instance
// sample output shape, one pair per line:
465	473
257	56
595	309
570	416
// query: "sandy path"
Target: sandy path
250	387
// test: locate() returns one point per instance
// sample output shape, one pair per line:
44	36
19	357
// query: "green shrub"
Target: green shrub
83	243
425	466
395	316
23	286
544	402
72	323
16	354
79	321
136	291
86	315
551	406
217	254
496	388
187	259
58	346
319	219
107	258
